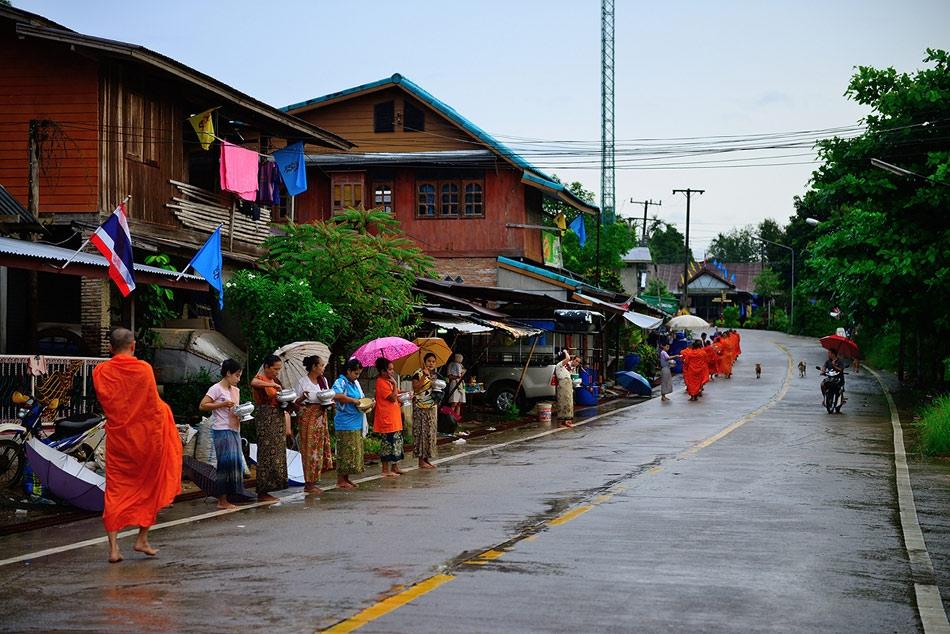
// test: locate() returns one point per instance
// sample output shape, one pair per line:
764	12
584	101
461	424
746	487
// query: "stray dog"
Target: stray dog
758	370
801	369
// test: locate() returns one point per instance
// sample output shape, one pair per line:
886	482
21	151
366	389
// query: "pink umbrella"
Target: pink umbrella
387	347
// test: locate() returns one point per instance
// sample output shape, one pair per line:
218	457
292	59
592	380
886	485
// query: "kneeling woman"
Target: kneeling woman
348	425
226	432
387	420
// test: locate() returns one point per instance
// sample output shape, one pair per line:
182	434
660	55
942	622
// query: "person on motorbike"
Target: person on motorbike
832	363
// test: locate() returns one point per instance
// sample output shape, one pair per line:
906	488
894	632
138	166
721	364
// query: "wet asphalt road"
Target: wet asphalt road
639	521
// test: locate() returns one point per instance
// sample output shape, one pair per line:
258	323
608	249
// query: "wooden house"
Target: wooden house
463	196
86	121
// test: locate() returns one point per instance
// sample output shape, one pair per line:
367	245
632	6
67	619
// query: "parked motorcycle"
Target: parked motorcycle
76	435
833	389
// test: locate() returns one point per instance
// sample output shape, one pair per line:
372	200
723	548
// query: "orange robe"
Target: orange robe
712	358
728	356
143	449
695	371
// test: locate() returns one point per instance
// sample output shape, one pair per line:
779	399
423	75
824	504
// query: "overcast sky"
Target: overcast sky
531	69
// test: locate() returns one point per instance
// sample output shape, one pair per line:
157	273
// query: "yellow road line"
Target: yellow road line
386	606
483	558
569	515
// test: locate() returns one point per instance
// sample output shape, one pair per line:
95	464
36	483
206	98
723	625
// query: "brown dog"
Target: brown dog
801	369
758	370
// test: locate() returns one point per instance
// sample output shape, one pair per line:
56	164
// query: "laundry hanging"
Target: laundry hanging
290	163
268	186
239	171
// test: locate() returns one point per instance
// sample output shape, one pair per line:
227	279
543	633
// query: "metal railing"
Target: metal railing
67	378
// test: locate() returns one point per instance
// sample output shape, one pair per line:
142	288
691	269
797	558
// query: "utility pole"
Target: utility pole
688	256
646	204
607	168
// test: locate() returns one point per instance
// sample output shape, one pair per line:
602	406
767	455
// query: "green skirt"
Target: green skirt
349	452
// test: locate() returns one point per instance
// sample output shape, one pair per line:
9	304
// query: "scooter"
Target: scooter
71	434
833	388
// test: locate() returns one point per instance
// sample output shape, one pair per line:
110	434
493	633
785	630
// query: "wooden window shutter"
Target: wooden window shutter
384	115
414	119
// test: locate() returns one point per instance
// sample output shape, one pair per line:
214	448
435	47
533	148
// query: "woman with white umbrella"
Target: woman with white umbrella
314	435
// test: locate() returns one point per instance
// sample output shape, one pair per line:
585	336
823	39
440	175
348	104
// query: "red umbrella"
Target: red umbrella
843	346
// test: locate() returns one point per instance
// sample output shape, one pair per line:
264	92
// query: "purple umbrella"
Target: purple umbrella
66	478
387	347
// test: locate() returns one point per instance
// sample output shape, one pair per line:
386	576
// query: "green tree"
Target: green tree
358	262
880	251
736	245
667	244
615	240
274	312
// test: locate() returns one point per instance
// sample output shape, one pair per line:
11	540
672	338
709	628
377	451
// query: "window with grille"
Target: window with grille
383	196
426	201
474	204
449	200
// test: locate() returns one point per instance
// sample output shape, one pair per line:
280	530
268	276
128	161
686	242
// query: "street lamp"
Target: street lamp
906	173
812	222
791	319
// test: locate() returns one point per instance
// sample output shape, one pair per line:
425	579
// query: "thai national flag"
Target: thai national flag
114	241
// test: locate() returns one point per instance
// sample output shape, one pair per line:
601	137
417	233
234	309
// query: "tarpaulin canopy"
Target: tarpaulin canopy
641	320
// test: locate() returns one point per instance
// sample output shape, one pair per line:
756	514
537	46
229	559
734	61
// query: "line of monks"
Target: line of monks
702	362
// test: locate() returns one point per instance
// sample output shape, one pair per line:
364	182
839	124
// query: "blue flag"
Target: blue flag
577	226
293	171
207	262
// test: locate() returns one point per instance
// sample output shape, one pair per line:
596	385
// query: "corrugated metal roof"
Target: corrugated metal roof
447	157
638	255
455	117
48	252
10	206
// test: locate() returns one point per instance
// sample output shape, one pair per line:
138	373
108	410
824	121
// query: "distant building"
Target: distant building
635	272
710	288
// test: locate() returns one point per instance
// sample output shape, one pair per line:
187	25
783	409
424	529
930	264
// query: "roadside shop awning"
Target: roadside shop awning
515	331
464	327
641	320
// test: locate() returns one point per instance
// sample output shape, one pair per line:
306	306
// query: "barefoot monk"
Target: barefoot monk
143	449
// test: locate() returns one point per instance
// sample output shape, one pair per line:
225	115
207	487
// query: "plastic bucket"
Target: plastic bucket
544	412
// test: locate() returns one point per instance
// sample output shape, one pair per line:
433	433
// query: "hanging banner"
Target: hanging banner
551	247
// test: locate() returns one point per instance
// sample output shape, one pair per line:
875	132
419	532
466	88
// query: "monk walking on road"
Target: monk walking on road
695	370
143	449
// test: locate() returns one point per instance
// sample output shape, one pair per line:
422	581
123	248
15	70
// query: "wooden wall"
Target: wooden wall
43	80
353	120
141	145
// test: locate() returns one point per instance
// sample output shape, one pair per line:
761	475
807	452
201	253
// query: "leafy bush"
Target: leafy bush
184	397
933	427
730	317
881	349
649	361
779	320
274	312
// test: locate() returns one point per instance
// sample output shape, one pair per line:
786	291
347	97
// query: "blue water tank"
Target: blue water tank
586	395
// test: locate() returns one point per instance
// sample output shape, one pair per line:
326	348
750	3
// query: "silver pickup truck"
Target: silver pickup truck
501	381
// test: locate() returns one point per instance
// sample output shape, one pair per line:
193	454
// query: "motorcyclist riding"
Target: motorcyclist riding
832	365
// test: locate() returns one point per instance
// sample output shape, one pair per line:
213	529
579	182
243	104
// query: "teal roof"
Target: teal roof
532	175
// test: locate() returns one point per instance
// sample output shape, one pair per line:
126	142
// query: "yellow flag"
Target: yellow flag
560	221
204	127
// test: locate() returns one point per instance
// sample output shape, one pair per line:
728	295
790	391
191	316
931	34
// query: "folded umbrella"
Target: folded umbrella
66	478
413	361
387	347
633	382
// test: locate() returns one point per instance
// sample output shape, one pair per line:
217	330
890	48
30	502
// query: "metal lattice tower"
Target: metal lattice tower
607	168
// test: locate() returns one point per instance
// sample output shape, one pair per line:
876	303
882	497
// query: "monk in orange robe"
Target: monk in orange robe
711	351
725	360
143	449
695	370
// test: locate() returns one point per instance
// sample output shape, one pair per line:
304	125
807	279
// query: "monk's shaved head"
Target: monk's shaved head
121	340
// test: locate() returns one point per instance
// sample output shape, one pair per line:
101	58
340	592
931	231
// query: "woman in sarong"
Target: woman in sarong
226	433
348	425
387	419
425	413
272	429
666	370
314	435
565	389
